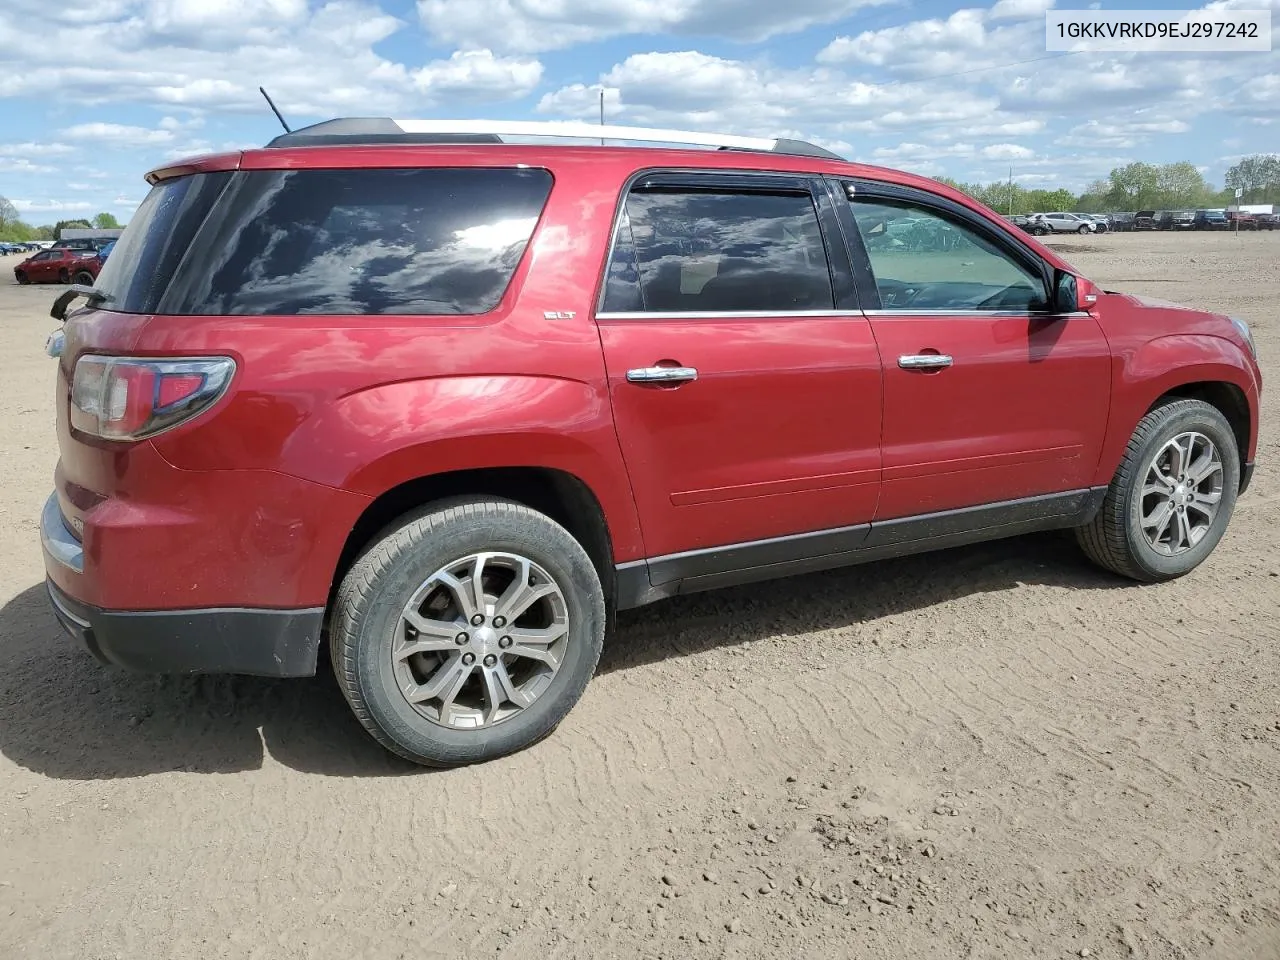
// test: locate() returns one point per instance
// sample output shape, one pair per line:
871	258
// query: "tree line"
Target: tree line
13	228
1139	186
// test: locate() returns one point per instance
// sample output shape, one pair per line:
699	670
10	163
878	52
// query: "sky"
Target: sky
93	93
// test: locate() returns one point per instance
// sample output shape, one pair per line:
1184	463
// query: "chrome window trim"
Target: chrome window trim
725	314
709	173
1006	314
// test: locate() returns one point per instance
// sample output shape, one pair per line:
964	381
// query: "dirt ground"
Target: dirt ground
991	752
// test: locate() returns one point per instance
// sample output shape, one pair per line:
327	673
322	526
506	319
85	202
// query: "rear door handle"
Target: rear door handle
662	375
924	361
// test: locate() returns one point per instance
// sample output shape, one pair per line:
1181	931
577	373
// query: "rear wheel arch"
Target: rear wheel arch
558	494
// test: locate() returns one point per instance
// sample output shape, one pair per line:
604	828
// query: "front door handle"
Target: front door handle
924	361
662	375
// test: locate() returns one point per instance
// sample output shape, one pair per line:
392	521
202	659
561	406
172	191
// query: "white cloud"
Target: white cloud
23	165
478	75
30	149
535	25
118	134
213	54
1020	9
52	206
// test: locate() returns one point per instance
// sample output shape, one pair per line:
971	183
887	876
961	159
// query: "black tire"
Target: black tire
1083	228
22	278
64	277
1040	231
369	602
84	278
1114	539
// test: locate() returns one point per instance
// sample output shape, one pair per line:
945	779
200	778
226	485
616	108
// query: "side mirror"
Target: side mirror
1072	294
1066	298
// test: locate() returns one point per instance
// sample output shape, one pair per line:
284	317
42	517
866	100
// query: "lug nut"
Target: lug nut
490	660
499	622
468	658
460	639
504	642
477	620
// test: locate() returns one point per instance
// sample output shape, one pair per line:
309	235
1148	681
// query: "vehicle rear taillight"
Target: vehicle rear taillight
131	398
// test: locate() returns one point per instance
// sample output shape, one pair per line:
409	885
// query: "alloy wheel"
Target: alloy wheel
480	640
1181	494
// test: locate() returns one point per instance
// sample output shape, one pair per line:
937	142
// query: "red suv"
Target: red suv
59	265
450	401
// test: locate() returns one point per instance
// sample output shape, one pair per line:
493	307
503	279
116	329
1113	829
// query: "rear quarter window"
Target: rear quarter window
386	241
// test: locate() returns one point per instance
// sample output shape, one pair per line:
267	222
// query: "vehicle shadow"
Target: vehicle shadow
64	715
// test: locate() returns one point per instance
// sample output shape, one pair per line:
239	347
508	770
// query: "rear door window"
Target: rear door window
385	241
680	250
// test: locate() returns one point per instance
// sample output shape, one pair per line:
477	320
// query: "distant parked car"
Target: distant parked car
59	265
1182	220
1266	221
1021	222
1239	220
1044	223
1144	220
1210	220
1101	222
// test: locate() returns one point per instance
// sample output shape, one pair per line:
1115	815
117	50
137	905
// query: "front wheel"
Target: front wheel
468	632
22	278
1172	497
1083	229
1040	231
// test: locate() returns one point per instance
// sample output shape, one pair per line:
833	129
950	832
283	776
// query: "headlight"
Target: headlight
1245	332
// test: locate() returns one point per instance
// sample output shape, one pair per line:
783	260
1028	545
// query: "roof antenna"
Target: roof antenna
272	105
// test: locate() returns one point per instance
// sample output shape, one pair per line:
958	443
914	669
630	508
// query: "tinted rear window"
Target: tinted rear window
144	258
417	241
702	251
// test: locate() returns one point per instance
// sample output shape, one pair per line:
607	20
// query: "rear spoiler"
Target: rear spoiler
72	293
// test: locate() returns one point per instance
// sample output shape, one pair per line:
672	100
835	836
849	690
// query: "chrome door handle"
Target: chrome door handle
924	361
662	375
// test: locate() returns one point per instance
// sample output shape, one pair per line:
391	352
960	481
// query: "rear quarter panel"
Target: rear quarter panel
366	403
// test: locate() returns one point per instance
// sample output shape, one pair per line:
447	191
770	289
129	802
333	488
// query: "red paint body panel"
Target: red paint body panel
779	434
794	424
1021	412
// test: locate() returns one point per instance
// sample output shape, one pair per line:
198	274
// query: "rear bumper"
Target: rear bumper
264	643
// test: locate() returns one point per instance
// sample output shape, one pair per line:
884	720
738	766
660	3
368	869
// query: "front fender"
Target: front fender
375	439
1163	365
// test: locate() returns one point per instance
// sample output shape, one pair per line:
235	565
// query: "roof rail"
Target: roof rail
370	130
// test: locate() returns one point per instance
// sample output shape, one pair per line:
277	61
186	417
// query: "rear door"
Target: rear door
745	382
988	397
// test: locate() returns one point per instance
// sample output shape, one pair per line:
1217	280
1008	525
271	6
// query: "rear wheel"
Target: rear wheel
1172	497
468	632
84	278
64	277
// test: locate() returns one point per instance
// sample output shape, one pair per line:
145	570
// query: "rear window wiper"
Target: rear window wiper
93	295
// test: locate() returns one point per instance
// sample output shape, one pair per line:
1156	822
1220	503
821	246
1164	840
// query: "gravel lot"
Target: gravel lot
991	752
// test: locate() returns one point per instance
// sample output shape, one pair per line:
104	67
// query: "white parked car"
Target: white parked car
1042	223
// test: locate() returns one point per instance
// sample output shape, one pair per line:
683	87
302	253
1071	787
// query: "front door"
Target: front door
745	383
988	396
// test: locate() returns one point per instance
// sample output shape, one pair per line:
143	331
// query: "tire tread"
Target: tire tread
355	595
